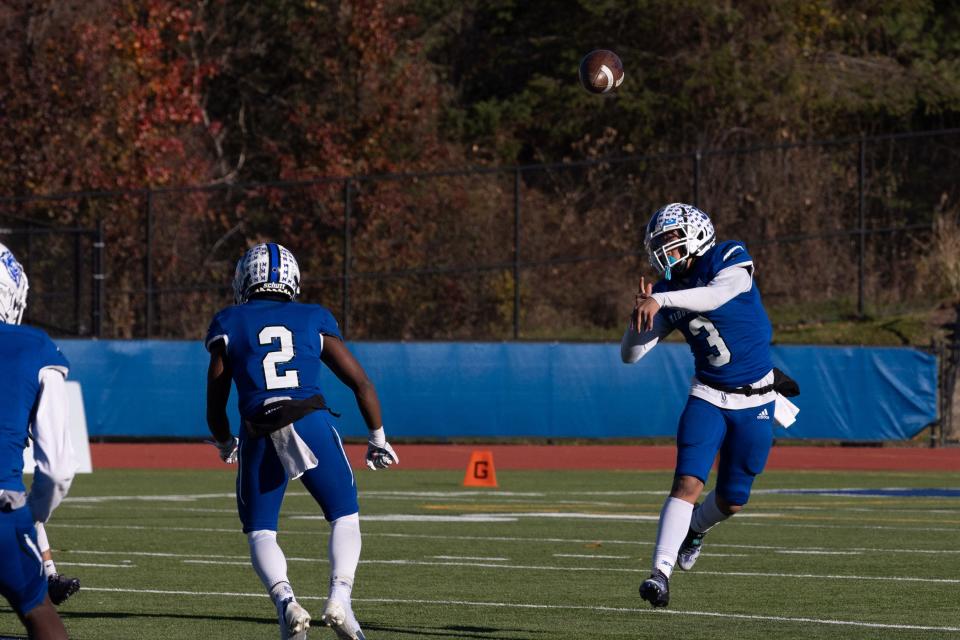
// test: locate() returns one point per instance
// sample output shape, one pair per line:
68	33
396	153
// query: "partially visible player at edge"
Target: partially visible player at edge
33	405
272	347
708	294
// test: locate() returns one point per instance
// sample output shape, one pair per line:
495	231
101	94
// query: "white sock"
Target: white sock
344	552
707	514
44	545
270	564
674	522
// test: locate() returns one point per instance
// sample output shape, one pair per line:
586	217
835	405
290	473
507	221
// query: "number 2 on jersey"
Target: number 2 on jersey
290	379
722	356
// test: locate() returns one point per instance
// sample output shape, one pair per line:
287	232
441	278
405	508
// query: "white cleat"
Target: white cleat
294	621
340	618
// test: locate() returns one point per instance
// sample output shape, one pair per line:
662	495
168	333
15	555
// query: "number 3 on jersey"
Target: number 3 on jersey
701	324
290	379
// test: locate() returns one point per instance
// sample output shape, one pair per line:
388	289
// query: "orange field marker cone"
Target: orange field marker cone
480	471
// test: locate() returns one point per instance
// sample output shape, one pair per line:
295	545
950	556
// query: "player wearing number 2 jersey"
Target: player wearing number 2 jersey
708	294
272	347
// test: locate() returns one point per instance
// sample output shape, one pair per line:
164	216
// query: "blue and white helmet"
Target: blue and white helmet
13	288
677	227
266	268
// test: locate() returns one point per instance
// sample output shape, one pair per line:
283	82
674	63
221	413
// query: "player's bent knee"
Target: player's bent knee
687	488
732	504
257	535
348	517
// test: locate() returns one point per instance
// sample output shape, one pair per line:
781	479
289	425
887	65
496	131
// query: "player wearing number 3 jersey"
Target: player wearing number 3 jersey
708	294
272	347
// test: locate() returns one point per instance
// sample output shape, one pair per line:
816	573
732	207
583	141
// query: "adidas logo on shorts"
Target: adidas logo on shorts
763	415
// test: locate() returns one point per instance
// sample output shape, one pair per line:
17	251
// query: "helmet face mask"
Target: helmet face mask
267	268
676	235
13	288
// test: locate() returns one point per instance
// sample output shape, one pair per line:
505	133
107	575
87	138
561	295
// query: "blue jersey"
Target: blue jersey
24	351
273	348
731	344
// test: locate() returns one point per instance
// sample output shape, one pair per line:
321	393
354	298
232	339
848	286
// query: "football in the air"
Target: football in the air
601	71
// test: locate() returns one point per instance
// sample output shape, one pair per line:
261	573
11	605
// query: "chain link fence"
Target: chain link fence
838	229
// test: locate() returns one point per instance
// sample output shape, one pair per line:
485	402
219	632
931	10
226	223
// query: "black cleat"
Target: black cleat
656	589
690	549
61	587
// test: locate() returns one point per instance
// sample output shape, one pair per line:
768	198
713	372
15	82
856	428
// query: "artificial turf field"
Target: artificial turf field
548	554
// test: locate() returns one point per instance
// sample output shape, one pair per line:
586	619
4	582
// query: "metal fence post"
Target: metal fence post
697	157
516	253
77	266
861	220
147	267
345	302
98	277
949	370
937	428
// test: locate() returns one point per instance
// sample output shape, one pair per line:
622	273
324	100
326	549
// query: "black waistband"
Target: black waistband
742	391
782	384
279	414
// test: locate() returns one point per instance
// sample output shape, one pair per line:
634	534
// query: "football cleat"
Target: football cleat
656	589
294	620
690	549
340	618
61	587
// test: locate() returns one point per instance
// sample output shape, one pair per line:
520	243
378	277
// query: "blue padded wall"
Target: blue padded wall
447	390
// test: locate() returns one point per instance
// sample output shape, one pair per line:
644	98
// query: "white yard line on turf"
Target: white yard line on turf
92	564
468	558
885	509
535	540
845	526
589	556
499	517
150	498
496	493
817	552
568	607
150	554
523	567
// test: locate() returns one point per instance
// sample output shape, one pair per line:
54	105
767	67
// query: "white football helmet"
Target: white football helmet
266	268
678	227
13	288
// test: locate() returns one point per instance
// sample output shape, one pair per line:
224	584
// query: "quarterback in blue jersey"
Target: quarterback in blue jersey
33	405
709	295
272	347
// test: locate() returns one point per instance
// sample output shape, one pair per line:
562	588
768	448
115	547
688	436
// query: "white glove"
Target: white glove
380	455
228	449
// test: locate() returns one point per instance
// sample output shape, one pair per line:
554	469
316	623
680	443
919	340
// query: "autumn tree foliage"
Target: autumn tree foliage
207	125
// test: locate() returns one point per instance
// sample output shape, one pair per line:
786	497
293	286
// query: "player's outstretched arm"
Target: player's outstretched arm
218	392
338	358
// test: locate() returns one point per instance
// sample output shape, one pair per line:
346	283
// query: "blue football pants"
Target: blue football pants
262	481
742	437
22	581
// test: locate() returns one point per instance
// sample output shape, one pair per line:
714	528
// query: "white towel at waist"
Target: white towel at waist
295	456
785	412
